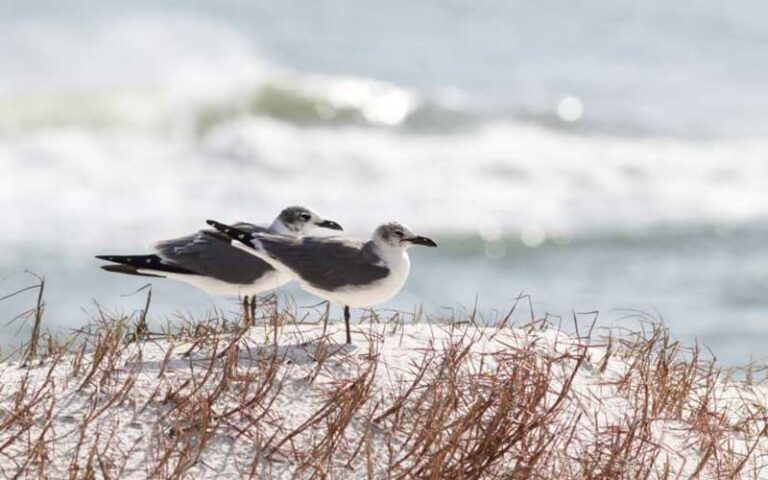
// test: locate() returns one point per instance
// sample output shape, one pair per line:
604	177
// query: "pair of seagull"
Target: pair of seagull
246	259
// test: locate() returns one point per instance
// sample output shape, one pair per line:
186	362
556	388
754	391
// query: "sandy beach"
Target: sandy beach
406	400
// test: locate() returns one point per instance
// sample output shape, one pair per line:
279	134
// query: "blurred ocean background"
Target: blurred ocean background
597	155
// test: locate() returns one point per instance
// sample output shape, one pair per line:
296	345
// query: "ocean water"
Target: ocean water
597	156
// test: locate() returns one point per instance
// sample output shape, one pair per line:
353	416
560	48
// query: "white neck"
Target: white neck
279	228
391	255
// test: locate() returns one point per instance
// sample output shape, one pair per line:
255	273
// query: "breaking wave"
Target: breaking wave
147	101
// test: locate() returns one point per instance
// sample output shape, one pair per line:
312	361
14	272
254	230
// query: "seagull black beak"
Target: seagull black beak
427	242
330	224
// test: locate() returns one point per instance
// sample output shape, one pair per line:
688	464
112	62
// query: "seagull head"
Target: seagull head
397	235
300	221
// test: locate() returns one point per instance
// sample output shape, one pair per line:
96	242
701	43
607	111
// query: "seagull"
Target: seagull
344	271
206	259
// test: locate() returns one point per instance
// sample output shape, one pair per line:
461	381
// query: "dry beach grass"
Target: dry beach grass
284	398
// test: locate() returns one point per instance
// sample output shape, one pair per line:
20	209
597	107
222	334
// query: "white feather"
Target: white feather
268	281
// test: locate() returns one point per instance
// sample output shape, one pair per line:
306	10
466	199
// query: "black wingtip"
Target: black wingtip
141	262
225	229
129	270
219	226
234	233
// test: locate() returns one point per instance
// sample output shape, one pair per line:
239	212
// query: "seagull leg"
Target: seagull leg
246	312
326	317
346	322
253	308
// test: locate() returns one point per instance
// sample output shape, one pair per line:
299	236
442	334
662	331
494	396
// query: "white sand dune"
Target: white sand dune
405	401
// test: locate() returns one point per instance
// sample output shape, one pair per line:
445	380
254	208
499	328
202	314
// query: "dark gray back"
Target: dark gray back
327	263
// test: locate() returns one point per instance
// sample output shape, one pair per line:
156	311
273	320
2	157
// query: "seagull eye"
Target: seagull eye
305	216
399	233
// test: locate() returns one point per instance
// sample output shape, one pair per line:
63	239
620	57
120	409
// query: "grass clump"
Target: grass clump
282	397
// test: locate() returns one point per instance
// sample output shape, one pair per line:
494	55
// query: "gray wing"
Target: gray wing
209	253
327	263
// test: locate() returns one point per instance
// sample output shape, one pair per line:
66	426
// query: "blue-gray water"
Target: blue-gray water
596	155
